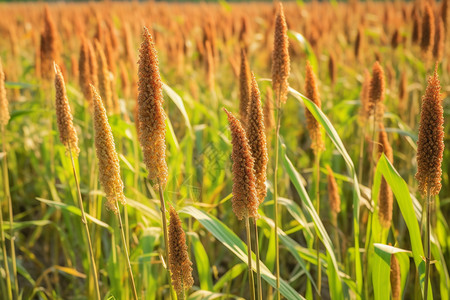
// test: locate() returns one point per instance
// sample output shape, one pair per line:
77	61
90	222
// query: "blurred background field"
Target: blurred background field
199	50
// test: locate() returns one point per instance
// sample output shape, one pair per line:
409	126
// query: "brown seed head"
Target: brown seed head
67	132
108	161
49	46
417	28
244	88
395	278
428	30
4	111
312	93
332	68
385	197
439	41
245	200
364	110
84	70
104	84
444	13
180	264
152	127
333	192
280	57
257	139
93	67
376	92
359	41
430	145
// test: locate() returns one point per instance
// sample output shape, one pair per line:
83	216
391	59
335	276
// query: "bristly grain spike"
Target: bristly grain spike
256	134
245	201
180	264
385	197
152	126
108	160
430	144
280	57
312	93
67	132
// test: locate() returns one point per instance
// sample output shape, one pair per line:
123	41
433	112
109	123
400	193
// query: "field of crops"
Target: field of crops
225	151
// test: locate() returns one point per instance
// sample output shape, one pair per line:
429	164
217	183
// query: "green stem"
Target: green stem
86	228
127	256
5	257
249	257
275	194
428	244
361	153
258	267
166	238
319	267
10	210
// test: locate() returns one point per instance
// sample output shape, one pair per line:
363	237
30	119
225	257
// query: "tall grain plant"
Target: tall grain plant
68	137
256	134
245	198
152	127
280	75
4	119
109	170
385	197
180	264
318	145
430	150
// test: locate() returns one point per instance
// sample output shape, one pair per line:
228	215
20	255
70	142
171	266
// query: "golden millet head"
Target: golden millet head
152	126
245	201
180	264
108	161
430	144
256	134
280	57
67	132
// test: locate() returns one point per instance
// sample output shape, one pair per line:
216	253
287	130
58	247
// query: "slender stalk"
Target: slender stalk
428	244
361	153
166	239
258	267
10	210
125	247
249	256
275	192
5	257
319	267
86	228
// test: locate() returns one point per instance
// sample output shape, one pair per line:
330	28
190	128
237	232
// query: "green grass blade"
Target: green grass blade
230	240
331	131
320	229
202	262
405	203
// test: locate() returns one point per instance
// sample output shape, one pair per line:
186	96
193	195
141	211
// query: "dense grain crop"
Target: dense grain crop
331	156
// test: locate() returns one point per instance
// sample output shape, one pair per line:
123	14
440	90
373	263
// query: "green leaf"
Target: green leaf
202	262
179	103
74	210
405	203
306	47
320	229
329	129
234	272
230	240
382	269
